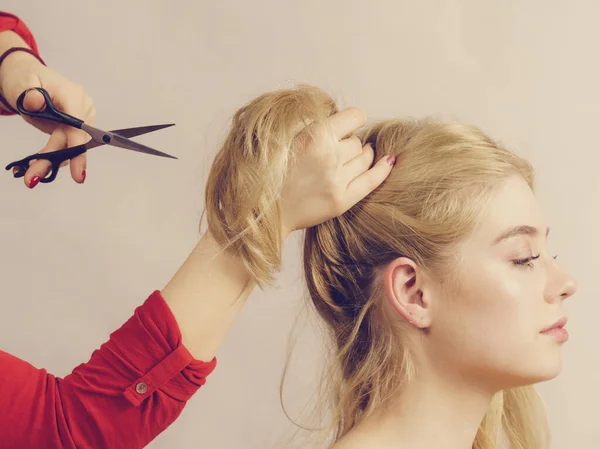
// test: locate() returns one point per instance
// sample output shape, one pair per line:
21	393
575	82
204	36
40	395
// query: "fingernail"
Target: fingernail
34	181
391	160
83	176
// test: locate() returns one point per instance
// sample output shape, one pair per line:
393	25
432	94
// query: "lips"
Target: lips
558	325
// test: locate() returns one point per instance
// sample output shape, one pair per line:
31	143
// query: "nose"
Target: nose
562	284
569	288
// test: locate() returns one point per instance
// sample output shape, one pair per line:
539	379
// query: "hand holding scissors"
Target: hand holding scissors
24	70
118	138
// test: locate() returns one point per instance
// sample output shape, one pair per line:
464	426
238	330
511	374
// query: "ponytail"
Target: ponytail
244	183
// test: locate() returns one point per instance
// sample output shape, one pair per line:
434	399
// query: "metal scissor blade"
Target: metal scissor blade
133	132
122	142
110	138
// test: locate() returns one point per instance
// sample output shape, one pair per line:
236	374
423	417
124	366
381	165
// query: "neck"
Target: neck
429	413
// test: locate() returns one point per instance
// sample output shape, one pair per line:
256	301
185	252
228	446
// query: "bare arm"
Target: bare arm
206	294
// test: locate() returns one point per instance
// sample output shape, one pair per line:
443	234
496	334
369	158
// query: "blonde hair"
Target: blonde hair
444	176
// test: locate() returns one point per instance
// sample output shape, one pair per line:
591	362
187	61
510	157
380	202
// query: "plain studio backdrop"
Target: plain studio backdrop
77	259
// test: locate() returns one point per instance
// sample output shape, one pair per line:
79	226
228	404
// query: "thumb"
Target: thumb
34	101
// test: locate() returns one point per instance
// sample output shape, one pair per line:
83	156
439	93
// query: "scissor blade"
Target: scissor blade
122	142
110	138
133	132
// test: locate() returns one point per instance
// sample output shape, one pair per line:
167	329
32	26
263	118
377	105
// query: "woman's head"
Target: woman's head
485	329
423	247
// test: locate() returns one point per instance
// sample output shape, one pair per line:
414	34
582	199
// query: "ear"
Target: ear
405	291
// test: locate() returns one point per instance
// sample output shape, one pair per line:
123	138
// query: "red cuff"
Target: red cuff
148	354
178	374
10	22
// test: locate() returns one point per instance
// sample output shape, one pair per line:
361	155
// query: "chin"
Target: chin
547	362
554	366
547	368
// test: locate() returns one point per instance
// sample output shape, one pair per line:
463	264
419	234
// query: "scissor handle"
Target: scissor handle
49	112
56	158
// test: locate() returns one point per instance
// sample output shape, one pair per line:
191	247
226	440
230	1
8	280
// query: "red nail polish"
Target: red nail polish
391	160
83	177
34	181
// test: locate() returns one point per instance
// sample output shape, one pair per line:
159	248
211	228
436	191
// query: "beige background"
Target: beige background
77	259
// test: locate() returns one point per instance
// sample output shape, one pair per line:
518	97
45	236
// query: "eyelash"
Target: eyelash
528	262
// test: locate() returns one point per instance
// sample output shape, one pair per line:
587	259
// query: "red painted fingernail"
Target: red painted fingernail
34	181
83	177
391	160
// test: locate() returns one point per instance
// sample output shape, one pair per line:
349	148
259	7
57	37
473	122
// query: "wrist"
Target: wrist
9	39
15	60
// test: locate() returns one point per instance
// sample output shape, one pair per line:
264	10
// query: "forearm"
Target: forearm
206	295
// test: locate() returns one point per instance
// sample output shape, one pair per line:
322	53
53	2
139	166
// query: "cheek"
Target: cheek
504	298
492	316
488	328
492	304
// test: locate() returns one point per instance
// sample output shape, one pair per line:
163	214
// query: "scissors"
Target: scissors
118	138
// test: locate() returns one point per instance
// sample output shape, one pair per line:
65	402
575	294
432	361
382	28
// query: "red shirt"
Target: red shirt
132	388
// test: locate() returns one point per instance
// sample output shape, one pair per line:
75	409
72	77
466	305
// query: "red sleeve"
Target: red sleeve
10	22
132	388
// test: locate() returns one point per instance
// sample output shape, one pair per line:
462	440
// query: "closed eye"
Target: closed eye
528	261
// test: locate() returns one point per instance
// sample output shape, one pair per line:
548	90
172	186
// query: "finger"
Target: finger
349	149
46	126
84	109
41	167
347	121
78	164
34	101
360	164
364	184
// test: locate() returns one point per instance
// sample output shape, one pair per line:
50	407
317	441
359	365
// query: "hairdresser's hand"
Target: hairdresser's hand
331	174
21	71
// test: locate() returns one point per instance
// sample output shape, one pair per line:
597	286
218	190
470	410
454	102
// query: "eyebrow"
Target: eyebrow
519	230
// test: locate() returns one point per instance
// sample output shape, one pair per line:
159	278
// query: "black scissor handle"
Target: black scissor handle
49	112
56	158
